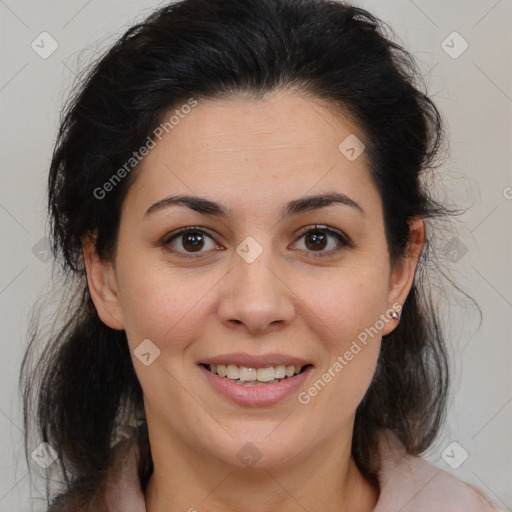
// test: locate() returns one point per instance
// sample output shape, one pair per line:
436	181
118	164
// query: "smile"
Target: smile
255	383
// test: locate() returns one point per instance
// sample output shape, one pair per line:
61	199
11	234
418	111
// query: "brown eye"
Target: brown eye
189	242
323	241
192	241
315	240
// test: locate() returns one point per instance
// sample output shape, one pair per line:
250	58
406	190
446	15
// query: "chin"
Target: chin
254	449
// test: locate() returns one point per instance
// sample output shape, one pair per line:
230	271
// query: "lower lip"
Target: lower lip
255	395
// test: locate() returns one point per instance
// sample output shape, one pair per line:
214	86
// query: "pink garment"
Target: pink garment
407	484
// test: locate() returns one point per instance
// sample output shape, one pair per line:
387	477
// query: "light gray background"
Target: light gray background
473	91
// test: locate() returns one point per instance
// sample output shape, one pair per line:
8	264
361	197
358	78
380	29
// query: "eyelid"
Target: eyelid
343	240
181	231
169	237
327	229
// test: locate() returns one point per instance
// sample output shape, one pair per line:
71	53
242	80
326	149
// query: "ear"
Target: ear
402	275
102	283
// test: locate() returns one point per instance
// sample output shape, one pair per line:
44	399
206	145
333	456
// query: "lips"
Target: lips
255	380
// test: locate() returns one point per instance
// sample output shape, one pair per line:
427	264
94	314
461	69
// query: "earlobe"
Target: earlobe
102	283
402	277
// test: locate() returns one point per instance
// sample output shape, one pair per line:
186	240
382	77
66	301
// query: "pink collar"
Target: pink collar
407	483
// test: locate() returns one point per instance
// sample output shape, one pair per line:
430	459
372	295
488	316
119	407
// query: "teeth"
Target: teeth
233	372
248	374
243	374
266	374
280	371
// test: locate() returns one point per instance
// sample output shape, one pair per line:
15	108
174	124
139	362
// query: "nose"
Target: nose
256	296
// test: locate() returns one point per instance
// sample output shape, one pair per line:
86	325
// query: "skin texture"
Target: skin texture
253	156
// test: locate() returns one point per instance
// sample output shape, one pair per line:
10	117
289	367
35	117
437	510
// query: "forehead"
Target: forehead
284	123
257	151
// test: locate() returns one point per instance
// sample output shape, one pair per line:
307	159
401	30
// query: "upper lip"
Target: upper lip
255	361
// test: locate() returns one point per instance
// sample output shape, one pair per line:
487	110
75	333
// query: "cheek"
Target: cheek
166	306
347	303
163	304
346	313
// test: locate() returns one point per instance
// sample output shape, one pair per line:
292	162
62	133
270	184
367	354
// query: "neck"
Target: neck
325	480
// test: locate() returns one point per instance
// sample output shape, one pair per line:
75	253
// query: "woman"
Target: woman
237	194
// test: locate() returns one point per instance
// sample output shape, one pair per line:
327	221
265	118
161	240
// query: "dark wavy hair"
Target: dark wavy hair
83	388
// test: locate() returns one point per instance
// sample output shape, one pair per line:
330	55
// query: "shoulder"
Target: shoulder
73	502
81	497
412	484
120	489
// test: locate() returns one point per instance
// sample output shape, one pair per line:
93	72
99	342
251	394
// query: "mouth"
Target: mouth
251	376
256	381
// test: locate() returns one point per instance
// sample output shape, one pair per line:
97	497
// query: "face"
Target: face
266	284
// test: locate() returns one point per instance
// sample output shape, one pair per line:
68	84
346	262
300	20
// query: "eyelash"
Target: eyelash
342	239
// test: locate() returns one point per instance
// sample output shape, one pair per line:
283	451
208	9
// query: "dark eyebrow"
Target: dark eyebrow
308	203
295	207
